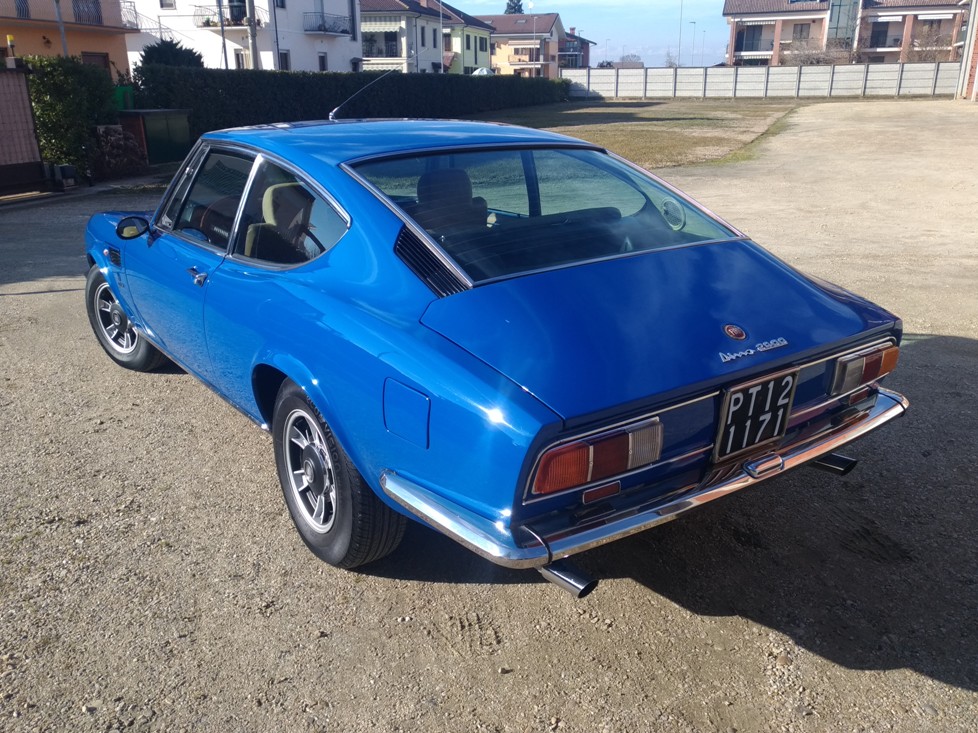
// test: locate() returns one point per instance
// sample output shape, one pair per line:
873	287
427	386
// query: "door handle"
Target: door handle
199	277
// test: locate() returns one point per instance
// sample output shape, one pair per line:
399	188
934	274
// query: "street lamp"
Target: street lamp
692	53
703	51
679	53
536	46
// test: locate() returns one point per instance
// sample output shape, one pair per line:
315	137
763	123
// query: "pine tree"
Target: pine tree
514	7
168	53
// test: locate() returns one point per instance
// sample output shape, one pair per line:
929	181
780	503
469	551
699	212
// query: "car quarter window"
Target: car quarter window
285	221
207	211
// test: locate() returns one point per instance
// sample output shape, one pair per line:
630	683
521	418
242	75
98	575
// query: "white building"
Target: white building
296	35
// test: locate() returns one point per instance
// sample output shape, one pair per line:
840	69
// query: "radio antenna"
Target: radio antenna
357	93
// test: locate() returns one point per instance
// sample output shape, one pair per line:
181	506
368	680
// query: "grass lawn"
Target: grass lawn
660	134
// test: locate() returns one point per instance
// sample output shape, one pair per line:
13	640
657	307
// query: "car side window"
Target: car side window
284	221
210	206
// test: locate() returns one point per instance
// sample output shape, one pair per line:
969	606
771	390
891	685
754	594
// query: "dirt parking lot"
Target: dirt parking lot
151	579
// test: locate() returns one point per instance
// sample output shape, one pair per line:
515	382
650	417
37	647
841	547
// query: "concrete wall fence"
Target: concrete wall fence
849	80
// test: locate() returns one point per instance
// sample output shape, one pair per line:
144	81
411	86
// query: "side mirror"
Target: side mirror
131	227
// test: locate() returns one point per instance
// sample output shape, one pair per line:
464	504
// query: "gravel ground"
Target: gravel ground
151	579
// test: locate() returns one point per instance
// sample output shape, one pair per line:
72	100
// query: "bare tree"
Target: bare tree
928	46
631	57
514	7
671	61
809	52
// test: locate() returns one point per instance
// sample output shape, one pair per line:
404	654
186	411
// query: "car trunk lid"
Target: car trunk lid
608	334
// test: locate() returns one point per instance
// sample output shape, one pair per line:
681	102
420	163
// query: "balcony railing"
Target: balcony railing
235	14
764	45
886	42
83	12
387	50
932	43
333	25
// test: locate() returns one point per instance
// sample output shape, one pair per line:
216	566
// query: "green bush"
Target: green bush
69	99
170	53
220	98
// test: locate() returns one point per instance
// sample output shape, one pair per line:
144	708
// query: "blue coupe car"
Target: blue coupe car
516	337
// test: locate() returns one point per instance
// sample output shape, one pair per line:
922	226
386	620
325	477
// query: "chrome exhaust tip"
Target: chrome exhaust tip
835	463
564	575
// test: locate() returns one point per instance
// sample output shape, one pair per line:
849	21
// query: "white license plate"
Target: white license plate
754	413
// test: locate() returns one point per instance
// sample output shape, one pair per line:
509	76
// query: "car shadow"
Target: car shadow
872	571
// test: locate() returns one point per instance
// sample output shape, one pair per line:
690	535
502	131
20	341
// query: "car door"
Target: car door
168	271
260	296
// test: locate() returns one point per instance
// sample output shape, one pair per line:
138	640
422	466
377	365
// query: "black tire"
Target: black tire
112	328
337	514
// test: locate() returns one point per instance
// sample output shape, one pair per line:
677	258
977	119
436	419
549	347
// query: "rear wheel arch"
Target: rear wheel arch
266	381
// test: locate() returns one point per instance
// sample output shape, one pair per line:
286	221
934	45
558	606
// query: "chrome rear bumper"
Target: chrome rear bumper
521	547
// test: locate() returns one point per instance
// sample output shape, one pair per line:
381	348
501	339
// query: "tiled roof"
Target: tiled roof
949	4
744	7
514	24
450	15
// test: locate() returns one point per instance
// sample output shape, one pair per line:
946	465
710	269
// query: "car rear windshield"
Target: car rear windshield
499	213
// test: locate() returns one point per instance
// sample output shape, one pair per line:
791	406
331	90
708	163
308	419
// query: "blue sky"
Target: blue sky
649	28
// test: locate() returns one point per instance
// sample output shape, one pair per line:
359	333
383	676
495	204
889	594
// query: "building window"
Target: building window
391	45
239	59
284	63
424	34
168	4
483	44
323	63
96	59
468	42
280	4
23	10
878	35
801	32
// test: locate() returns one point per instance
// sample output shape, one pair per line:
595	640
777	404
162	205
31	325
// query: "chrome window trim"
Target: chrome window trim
257	156
187	168
320	191
425	237
208	147
456	269
620	256
684	197
469	149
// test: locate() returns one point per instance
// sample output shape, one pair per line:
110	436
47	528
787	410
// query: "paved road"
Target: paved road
151	578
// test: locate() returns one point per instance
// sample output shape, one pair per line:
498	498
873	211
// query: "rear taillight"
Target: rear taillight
598	457
864	367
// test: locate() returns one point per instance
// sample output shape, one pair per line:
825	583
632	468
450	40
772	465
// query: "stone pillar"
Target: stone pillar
907	45
732	43
776	52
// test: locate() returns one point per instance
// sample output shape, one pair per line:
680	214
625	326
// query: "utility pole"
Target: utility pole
224	43
252	34
61	28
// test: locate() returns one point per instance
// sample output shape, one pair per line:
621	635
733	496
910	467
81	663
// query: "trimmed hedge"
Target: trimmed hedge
220	98
69	99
